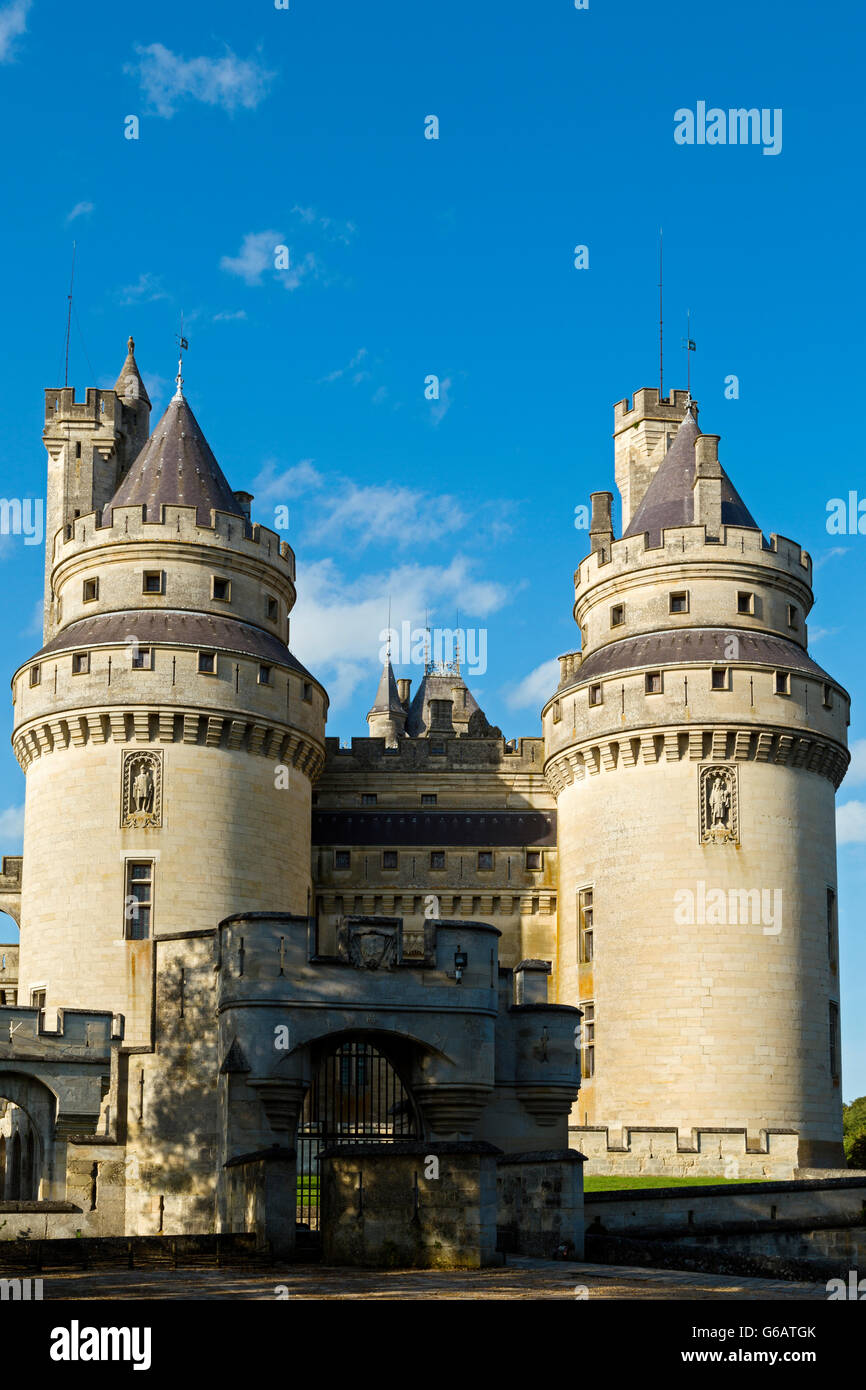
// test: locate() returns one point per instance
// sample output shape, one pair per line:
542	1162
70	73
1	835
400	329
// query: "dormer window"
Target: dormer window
90	590
617	615
221	589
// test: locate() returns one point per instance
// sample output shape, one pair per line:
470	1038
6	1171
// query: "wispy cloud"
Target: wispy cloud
257	254
13	23
280	489
535	689
80	210
829	555
353	369
147	288
228	82
225	317
851	823
331	228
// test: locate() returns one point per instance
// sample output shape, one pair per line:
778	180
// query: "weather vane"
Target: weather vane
690	346
183	346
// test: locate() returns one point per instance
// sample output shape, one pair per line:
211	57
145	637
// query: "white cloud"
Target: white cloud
80	210
11	826
280	489
536	688
385	513
229	82
330	227
13	23
352	366
851	823
829	555
308	268
147	288
257	253
225	317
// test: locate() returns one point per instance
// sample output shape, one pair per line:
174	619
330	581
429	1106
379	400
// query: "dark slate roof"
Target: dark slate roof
696	644
129	385
172	627
387	699
467	715
177	465
669	499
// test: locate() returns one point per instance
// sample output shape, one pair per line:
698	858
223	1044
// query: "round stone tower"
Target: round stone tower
694	748
168	735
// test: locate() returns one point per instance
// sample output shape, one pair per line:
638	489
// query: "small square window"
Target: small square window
91	590
437	859
152	582
745	602
679	603
272	609
428	798
35	675
221	589
368	798
37	998
264	675
533	859
793	617
653	683
207	663
342	859
438	750
389	859
485	859
617	615
142	658
596	695
80	663
719	679
308	692
557	711
828	694
783	683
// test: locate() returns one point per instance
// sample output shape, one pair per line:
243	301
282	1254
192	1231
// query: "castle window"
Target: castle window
828	695
389	859
533	860
264	675
35	675
37	998
596	695
90	590
342	859
272	609
783	683
617	615
368	798
653	683
438	750
719	678
142	658
207	663
138	906
556	711
221	589
587	1051
80	663
428	798
834	1040
745	602
679	603
832	935
793	617
308	692
584	923
485	859
152	582
78	450
437	859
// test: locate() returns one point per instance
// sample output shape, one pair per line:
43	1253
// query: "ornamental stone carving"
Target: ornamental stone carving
141	790
719	805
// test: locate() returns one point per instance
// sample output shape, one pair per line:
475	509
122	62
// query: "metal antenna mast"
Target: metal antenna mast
69	318
661	340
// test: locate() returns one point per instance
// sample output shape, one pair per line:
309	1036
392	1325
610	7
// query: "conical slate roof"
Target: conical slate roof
443	683
669	499
177	465
129	384
387	699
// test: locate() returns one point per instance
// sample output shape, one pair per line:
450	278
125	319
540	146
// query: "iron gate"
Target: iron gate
356	1095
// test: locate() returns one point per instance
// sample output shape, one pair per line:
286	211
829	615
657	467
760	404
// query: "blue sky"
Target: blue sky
454	257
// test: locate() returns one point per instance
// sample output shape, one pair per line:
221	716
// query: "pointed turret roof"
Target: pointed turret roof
177	465
129	384
669	499
387	699
445	682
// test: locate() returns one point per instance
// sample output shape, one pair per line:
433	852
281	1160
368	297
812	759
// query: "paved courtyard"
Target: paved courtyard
519	1279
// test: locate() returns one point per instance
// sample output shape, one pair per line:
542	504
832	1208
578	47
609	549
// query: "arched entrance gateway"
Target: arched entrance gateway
356	1095
21	1154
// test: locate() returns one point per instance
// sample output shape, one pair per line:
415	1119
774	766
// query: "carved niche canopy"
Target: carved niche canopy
719	804
141	789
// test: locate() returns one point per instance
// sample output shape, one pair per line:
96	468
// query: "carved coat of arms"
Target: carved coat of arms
141	789
719	805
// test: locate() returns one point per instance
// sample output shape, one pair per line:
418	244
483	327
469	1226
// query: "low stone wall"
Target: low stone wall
127	1252
410	1205
261	1197
710	1153
540	1202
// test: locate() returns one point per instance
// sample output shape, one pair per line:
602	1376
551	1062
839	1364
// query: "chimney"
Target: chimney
403	688
601	523
244	500
530	981
708	485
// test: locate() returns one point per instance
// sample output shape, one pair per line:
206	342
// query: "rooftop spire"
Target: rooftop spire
129	385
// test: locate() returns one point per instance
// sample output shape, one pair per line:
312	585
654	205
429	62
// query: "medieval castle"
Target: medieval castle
242	943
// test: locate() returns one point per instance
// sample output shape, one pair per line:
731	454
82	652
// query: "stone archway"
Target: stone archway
27	1119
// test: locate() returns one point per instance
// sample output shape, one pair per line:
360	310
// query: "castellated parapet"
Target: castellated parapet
694	747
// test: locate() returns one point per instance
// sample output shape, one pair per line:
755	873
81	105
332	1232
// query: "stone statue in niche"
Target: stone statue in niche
719	805
141	790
